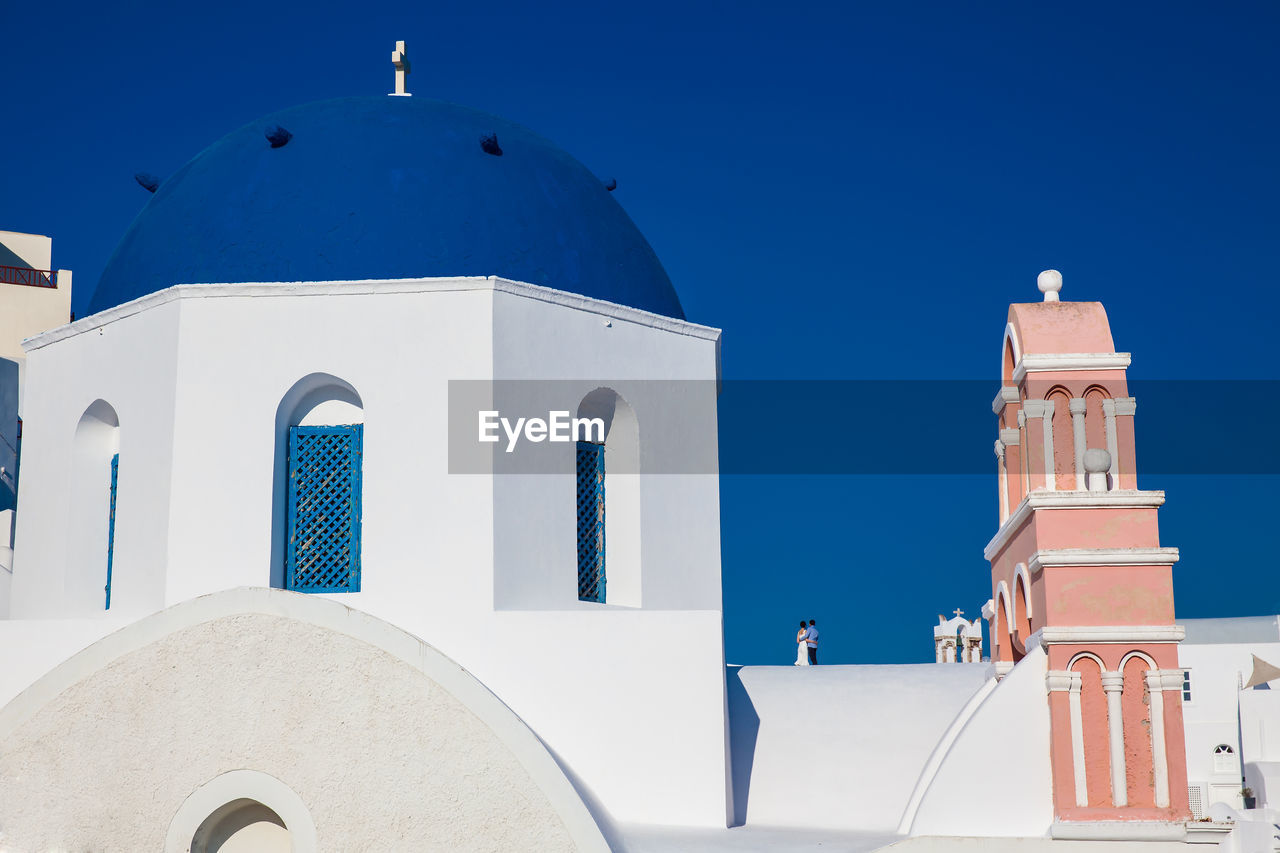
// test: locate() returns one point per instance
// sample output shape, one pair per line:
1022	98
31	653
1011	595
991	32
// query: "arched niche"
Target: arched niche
1093	712
1002	636
1136	722
1064	453
1010	355
95	444
318	399
242	826
1021	621
622	486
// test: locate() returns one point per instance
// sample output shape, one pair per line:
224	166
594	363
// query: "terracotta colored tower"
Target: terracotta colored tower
1077	567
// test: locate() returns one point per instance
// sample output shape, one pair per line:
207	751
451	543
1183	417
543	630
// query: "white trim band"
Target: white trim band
1053	635
1102	557
1055	362
1076	499
1118	830
371	286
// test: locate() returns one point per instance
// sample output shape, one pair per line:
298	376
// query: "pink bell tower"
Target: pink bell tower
1077	568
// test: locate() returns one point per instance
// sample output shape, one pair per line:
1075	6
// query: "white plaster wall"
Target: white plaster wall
1260	744
32	647
425	536
1006	741
840	746
669	381
388	747
630	701
131	365
1213	714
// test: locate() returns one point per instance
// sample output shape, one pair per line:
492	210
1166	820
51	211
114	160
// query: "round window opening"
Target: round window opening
242	826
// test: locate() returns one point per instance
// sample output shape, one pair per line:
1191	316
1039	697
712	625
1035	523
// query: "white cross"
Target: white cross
400	60
959	612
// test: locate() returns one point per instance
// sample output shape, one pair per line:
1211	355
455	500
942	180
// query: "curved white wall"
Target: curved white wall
388	744
996	779
840	746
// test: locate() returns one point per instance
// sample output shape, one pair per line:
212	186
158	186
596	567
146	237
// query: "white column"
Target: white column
1159	750
1070	682
1077	406
1126	407
1077	740
1050	479
1003	480
1022	466
1113	684
1113	442
1009	437
1042	409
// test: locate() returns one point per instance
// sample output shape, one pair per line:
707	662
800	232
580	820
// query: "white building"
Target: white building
1233	726
271	589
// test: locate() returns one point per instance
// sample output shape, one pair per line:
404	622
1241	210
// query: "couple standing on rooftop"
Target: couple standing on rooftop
807	644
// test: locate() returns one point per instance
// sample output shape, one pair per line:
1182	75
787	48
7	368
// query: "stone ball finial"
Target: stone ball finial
1049	282
1097	461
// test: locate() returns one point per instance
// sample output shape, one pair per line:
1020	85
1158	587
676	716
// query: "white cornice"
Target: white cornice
1102	557
1053	635
1053	362
1007	394
370	286
1046	499
1135	830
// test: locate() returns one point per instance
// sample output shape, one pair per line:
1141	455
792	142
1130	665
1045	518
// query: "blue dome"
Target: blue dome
386	188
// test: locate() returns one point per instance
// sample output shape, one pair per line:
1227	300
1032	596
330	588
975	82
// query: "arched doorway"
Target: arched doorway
242	826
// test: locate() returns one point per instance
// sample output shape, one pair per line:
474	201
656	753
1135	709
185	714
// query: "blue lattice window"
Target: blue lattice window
323	548
111	526
590	522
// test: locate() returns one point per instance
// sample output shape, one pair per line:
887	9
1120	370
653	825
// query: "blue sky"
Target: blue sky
850	191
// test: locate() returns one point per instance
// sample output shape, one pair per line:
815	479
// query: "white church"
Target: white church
267	583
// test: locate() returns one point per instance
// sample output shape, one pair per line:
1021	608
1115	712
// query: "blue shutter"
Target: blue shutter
323	546
590	522
111	526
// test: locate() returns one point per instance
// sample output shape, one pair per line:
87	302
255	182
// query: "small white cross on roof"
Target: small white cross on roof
958	612
400	59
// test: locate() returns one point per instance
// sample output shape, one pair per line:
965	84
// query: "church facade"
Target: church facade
272	587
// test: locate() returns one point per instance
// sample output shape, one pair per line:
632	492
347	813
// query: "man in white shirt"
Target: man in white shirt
811	640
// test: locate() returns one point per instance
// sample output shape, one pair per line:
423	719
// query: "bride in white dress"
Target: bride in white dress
802	648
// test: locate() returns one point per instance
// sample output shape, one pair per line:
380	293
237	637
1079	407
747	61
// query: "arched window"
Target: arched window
319	474
591	522
608	500
1224	758
94	506
111	522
